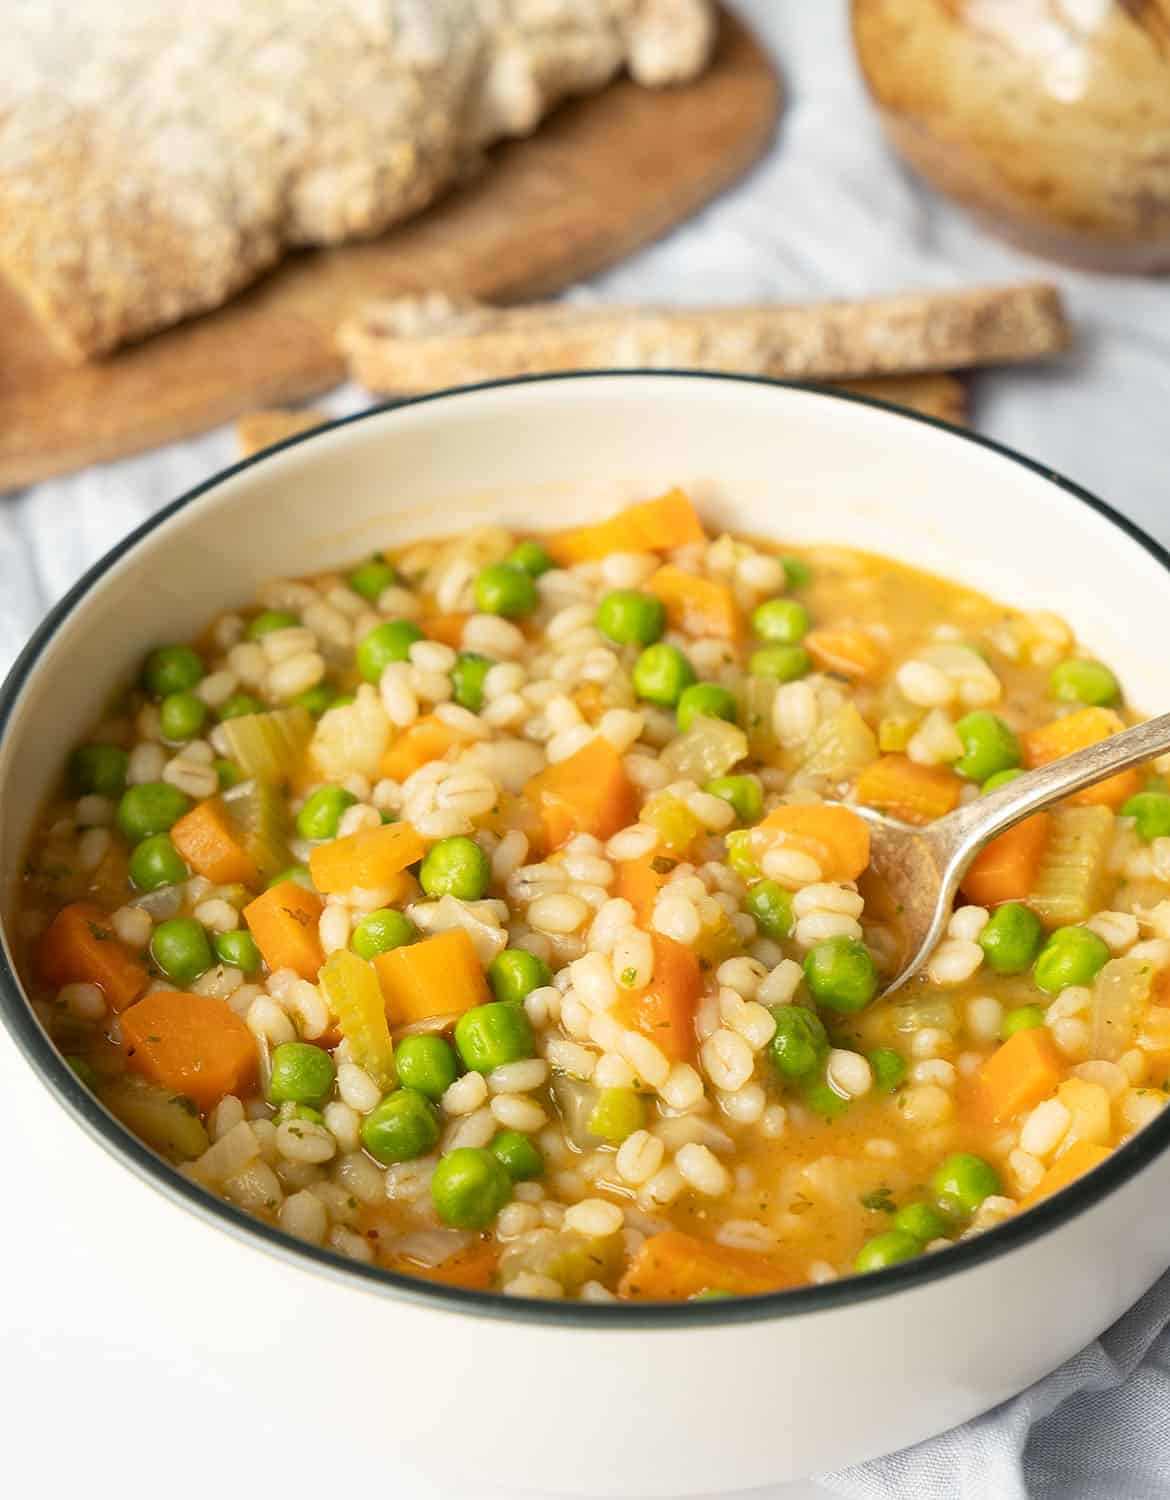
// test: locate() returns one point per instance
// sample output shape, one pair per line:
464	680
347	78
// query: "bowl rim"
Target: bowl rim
58	1078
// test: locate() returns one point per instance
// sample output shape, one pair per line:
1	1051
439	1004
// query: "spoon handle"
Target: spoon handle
973	825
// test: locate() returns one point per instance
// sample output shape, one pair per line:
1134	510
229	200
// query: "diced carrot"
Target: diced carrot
80	947
672	1266
587	793
370	858
445	628
473	1268
283	920
899	786
590	701
651	526
665	1010
439	976
1076	731
835	837
640	880
1005	870
194	1044
210	845
850	653
697	606
427	739
1081	1157
1020	1072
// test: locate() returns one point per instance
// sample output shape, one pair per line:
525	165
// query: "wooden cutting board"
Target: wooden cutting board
601	177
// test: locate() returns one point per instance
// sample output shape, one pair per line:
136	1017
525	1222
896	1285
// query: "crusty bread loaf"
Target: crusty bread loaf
155	158
260	429
941	396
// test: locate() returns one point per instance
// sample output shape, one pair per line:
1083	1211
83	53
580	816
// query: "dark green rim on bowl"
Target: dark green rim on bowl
26	1031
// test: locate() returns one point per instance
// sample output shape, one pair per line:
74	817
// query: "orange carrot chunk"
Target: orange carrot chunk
445	628
1081	1157
850	653
369	858
1076	731
896	785
835	837
664	1010
697	606
588	793
438	976
427	739
284	923
80	947
210	845
1005	870
473	1268
651	526
1019	1073
640	880
672	1266
194	1044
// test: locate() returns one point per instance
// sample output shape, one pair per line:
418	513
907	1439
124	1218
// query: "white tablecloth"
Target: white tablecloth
827	213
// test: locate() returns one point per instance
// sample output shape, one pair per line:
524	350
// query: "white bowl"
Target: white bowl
629	1399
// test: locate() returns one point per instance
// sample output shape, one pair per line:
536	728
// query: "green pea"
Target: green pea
784	621
156	862
227	773
270	620
83	1072
705	700
740	855
1023	1018
300	1074
171	669
150	807
469	1187
631	618
800	1042
99	768
711	1294
317	700
372	578
771	905
503	589
1011	938
298	874
300	1112
456	867
237	949
1083	682
661	674
386	643
797	572
180	949
467	677
321	812
1001	778
403	1126
531	557
887	1250
425	1063
823	1100
617	1114
784	663
889	1068
380	931
1072	955
921	1221
182	716
989	746
515	973
962	1182
239	706
1151	814
519	1155
744	793
488	1036
841	973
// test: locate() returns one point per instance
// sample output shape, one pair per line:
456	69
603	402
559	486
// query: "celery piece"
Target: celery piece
1070	883
355	997
269	746
841	746
258	812
709	748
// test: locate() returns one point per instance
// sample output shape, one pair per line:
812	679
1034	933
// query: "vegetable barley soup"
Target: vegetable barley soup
498	912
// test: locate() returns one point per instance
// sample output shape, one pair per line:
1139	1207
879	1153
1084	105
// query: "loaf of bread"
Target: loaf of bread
154	159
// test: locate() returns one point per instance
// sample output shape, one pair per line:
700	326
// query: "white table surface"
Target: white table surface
827	213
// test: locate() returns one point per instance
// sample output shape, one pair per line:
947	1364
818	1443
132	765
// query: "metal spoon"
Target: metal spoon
921	867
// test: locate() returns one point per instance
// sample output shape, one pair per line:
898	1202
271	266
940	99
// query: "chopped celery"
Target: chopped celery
270	746
741	854
566	1256
757	695
166	1121
1121	993
895	732
1069	885
841	746
617	1114
673	821
709	748
259	814
355	997
576	1101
